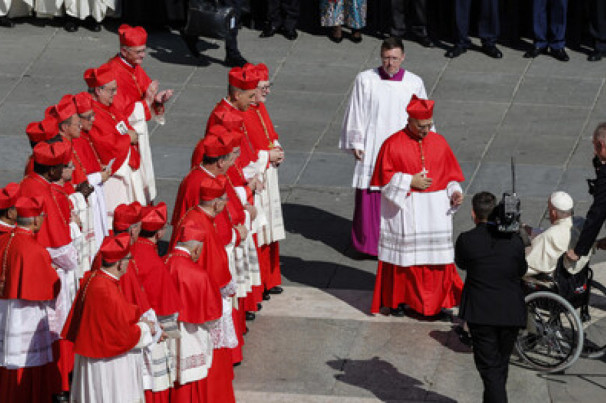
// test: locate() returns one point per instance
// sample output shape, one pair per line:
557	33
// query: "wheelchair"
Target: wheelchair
553	338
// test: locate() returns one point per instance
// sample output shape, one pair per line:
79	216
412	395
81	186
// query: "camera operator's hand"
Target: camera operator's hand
601	243
572	256
456	199
420	181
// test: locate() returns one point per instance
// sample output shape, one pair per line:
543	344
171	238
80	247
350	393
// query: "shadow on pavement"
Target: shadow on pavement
450	340
383	380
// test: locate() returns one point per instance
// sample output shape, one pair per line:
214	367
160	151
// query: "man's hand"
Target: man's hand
252	210
276	155
85	189
456	199
163	97
106	174
151	325
242	230
358	154
421	181
134	137
572	256
150	94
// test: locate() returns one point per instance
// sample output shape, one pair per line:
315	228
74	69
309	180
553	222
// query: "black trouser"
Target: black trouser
488	29
597	23
231	40
416	9
492	347
283	13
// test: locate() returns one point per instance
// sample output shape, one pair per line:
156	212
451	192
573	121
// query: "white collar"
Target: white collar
182	249
109	274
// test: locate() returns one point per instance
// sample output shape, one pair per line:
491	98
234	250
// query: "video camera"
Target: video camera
506	215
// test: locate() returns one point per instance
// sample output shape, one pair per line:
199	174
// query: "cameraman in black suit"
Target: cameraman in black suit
492	302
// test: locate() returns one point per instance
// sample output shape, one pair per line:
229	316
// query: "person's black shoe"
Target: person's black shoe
425	41
94	26
6	22
560	54
398	312
596	56
250	316
290	34
191	41
61	397
336	35
356	36
266	296
534	52
268	32
259	307
275	290
71	25
235	61
492	51
455	51
464	336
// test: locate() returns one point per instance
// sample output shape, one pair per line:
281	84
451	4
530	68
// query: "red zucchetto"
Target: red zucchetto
132	36
9	195
126	215
153	218
243	78
29	206
212	188
100	76
115	247
420	109
52	154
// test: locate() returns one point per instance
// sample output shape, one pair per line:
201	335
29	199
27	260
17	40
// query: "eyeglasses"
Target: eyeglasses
266	87
112	90
89	117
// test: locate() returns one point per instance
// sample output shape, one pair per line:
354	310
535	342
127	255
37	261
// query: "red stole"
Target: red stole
200	296
214	257
132	86
101	323
401	152
25	268
155	278
108	142
259	127
55	227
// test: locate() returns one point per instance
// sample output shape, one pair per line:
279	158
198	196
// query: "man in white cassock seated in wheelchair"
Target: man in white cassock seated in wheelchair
546	251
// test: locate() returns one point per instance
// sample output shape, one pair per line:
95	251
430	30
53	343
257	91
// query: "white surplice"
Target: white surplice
193	352
97	9
377	109
65	259
123	187
25	337
416	228
138	122
84	235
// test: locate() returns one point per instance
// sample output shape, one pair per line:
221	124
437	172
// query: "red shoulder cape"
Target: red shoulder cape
132	86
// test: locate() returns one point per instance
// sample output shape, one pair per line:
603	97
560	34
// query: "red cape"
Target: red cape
200	296
55	227
108	142
26	268
85	160
132	86
259	127
101	323
402	153
155	279
214	257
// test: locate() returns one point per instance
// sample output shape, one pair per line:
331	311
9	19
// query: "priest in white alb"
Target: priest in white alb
377	109
418	176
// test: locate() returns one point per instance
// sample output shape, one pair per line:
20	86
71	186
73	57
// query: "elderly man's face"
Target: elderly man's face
86	120
133	54
106	93
420	127
244	98
262	91
72	130
391	60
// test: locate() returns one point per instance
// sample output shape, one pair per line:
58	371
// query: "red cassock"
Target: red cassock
425	288
132	86
101	323
54	231
107	140
259	127
85	160
155	278
5	228
129	284
26	260
201	302
213	257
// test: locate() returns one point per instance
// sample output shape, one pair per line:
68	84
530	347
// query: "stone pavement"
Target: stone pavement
317	342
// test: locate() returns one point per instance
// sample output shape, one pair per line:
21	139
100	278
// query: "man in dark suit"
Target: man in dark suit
597	27
549	26
282	16
488	29
418	17
597	212
492	302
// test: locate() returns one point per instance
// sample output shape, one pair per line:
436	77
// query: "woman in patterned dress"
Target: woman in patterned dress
336	13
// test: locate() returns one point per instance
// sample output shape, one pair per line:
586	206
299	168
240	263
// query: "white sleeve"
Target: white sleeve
353	132
398	189
257	167
241	192
453	187
94	179
146	338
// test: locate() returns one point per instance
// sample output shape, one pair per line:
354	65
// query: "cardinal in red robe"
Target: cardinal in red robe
8	213
418	176
28	284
